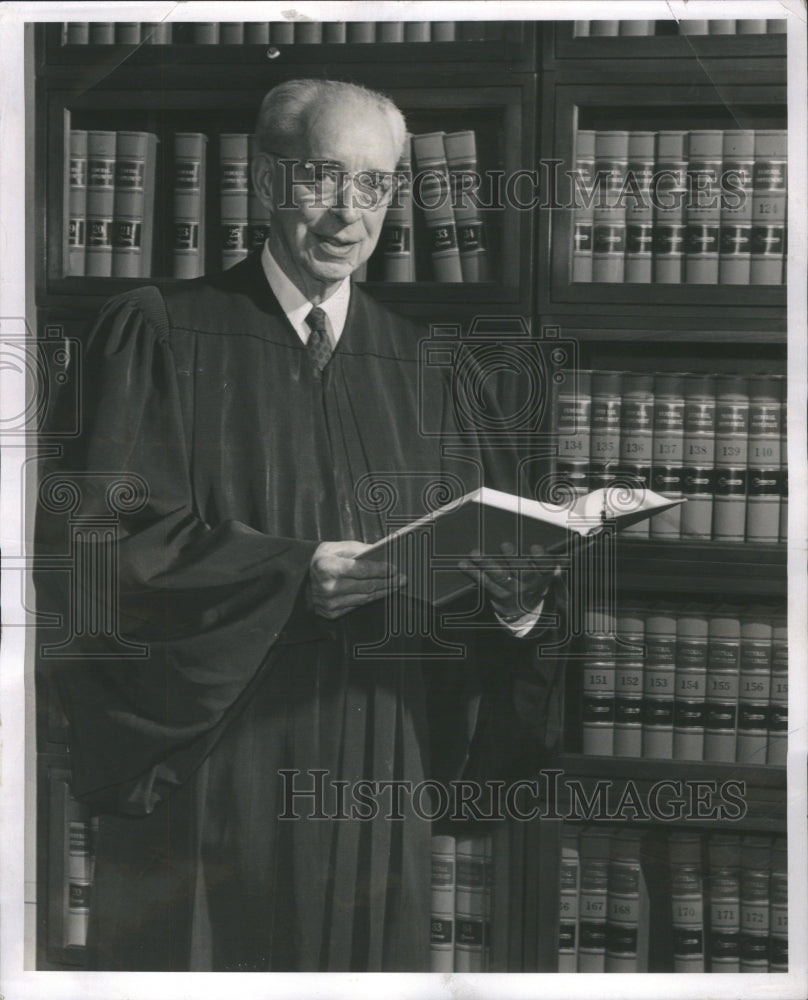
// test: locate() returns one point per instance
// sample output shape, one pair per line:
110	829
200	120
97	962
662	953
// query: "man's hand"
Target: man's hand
339	582
513	588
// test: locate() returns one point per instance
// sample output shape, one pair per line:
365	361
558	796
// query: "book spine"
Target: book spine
582	181
604	29
626	906
431	191
687	902
604	438
569	888
638	208
778	698
100	202
500	898
751	26
659	680
594	848
256	32
470	904
636	29
690	685
76	33
133	213
668	452
763	509
755	687
723	666
442	921
703	212
731	458
724	26
257	215
78	876
609	220
205	33
188	255
628	682
390	31
778	910
782	533
488	900
461	157
102	32
360	31
597	688
77	204
670	190
417	31
755	916
694	26
580	29
776	26
161	33
282	32
768	207
735	254
234	197
698	476
637	438
396	242
231	33
127	33
725	902
335	33
574	404
443	31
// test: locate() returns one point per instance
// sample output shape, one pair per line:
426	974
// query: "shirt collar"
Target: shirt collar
295	304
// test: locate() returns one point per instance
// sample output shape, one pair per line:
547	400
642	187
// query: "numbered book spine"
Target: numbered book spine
628	681
723	680
461	156
604	438
594	848
755	686
627	907
768	207
731	458
609	232
133	213
699	457
765	490
234	197
659	679
597	689
778	697
432	193
724	851
755	902
442	921
396	242
257	215
582	181
470	904
736	207
573	408
670	190
690	684
668	451
78	875
569	888
188	255
100	202
687	902
778	910
76	204
638	206
637	438
703	211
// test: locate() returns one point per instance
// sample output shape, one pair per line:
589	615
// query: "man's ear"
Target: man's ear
263	176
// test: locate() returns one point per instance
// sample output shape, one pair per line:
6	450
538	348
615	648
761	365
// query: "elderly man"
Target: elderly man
260	409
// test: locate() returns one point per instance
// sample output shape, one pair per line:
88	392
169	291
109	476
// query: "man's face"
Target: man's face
319	241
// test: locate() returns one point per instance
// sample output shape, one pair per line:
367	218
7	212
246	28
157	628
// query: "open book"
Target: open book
428	550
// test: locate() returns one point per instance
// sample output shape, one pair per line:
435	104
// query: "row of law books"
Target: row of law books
462	889
719	441
685	682
690	26
698	207
280	32
726	911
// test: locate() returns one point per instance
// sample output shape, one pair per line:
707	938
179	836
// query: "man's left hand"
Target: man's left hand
514	586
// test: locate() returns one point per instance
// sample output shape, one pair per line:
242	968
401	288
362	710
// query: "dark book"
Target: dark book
234	197
569	888
127	32
257	215
256	32
389	31
205	33
396	247
231	33
442	918
470	903
361	31
432	194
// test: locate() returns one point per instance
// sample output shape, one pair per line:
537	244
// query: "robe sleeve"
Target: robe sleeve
170	625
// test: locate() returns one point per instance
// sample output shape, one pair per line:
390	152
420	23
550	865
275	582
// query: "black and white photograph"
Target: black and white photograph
400	589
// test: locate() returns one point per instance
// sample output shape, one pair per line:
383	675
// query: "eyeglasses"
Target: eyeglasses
322	182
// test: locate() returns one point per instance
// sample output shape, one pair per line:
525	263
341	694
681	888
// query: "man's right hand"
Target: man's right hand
339	582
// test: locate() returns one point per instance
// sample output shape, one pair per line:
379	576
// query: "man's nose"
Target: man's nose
346	205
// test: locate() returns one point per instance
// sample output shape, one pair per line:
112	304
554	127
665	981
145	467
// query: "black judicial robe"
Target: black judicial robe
236	460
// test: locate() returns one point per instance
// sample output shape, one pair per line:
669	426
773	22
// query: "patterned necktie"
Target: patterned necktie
319	344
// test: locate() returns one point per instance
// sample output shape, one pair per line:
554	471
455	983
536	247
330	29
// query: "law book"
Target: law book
500	897
776	26
751	26
335	32
755	685
569	888
133	206
598	683
690	683
659	682
668	452
159	33
735	254
76	229
694	26
639	206
669	207
768	207
731	458
580	29
723	681
231	33
460	149
583	212
594	846
389	31
724	890
78	875
75	33
755	903
637	438
205	33
782	532
431	547
516	891
360	31
627	905
628	678
432	194
257	215
488	900
573	408
102	32
234	197
127	33
698	474
256	32
282	32
100	202
469	903
778	695
687	902
396	246
442	920
443	31
609	218
604	434
188	253
778	907
765	464
723	26
417	31
703	209
636	28
604	29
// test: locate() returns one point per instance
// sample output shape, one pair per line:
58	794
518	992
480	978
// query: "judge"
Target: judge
267	424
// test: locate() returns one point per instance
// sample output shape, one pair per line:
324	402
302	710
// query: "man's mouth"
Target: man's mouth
336	247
